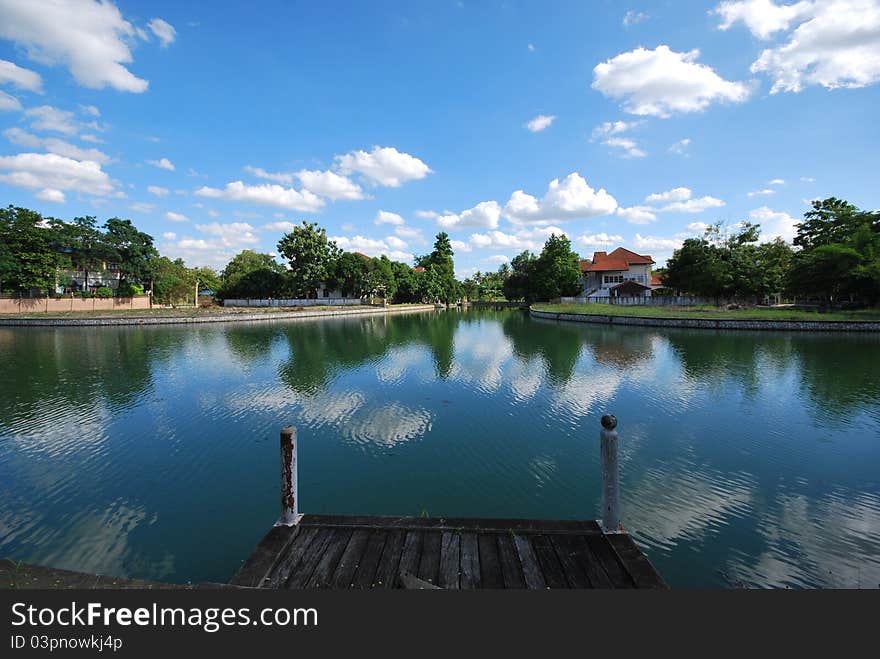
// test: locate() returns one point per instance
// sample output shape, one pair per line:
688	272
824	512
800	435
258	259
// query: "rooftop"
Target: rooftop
619	259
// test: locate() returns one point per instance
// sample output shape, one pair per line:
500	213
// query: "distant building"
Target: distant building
620	273
104	274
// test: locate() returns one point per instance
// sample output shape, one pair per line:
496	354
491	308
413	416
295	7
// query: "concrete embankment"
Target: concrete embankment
209	317
720	323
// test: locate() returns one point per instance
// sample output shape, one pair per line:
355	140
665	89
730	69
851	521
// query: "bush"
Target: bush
85	294
104	291
129	290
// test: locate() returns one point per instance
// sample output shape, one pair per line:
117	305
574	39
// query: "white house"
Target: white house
621	273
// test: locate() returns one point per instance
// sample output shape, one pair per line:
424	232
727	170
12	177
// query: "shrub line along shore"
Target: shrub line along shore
713	323
208	317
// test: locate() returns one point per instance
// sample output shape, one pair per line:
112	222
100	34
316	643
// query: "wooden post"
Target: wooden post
610	475
289	495
196	298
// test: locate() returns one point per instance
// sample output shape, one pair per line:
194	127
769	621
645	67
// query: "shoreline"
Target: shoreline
716	324
212	318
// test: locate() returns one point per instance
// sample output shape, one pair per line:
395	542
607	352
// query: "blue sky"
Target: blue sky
214	126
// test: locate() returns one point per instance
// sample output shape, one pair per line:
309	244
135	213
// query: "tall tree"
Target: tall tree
311	256
252	275
557	271
132	249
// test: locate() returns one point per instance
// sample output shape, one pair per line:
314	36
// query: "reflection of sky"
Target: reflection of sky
735	468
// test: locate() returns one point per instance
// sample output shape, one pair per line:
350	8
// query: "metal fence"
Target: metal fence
654	301
327	301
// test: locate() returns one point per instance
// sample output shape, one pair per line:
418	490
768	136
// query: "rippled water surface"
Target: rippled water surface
747	458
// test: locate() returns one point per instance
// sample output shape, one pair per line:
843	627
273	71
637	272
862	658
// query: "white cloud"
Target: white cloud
157	190
48	194
762	17
384	166
222	243
94	139
531	48
460	246
8	103
776	181
598	240
693	205
676	194
483	215
11	73
90	110
839	46
496	259
142	208
386	217
162	163
324	183
266	195
765	192
653	243
637	214
54	145
53	172
412	234
628	147
427	215
681	200
681	147
285	178
541	122
330	184
808	179
165	31
171	216
284	226
531	239
571	198
774	223
45	117
607	128
213	213
396	243
371	247
233	234
662	82
634	17
91	38
697	227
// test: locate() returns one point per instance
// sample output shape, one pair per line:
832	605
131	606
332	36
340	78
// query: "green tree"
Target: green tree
825	271
519	284
252	275
172	281
31	258
311	257
350	274
557	271
131	248
440	263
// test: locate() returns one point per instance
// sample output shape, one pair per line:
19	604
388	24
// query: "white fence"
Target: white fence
654	301
318	302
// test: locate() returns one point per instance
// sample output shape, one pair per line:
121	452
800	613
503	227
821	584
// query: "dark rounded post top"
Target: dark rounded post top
609	422
289	431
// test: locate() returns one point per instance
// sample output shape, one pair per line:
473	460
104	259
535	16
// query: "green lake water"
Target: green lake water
747	458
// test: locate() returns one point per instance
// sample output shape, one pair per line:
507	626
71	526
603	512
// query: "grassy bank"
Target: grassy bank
706	312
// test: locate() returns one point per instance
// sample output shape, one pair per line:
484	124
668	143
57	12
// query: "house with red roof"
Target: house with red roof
621	273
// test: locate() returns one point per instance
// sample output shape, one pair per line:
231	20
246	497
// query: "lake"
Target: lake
747	458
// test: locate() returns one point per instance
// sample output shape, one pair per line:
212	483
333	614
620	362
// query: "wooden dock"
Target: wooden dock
344	552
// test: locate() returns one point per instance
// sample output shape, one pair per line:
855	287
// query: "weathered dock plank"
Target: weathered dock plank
341	552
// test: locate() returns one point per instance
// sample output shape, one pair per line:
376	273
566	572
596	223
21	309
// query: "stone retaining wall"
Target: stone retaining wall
225	318
709	323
